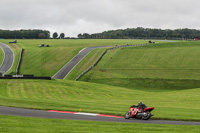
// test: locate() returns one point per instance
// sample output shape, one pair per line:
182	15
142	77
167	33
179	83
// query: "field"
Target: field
25	125
164	75
46	61
175	62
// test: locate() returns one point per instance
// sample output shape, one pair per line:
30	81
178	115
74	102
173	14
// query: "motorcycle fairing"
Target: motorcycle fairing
148	109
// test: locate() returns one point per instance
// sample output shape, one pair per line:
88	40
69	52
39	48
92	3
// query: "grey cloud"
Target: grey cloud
78	16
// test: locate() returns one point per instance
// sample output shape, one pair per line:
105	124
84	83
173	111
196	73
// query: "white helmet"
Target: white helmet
140	103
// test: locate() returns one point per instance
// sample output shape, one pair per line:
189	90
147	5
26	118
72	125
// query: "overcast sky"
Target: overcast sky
93	16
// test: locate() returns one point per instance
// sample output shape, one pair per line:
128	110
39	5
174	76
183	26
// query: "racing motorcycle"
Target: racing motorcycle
135	112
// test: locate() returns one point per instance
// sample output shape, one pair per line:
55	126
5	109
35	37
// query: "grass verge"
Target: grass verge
16	124
1	56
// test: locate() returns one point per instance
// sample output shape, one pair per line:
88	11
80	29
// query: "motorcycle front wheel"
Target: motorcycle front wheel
127	115
146	116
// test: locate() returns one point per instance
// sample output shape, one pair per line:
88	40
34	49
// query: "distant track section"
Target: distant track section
103	55
8	59
66	69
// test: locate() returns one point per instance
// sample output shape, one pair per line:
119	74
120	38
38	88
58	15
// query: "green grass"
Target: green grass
164	61
146	84
1	56
12	124
97	98
162	66
47	61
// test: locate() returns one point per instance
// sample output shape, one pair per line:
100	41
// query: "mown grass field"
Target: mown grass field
12	124
1	56
98	98
43	61
173	61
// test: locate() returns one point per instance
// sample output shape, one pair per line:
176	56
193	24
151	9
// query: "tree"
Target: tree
62	35
41	36
80	35
86	35
55	35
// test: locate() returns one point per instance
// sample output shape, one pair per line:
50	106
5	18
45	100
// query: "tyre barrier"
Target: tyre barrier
103	55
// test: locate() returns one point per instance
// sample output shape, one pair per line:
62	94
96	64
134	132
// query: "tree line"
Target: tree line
142	33
129	33
24	34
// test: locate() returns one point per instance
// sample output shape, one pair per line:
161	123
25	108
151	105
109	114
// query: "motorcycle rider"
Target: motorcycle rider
141	106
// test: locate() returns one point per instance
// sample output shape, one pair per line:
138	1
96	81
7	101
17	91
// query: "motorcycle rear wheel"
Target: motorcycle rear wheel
147	116
127	115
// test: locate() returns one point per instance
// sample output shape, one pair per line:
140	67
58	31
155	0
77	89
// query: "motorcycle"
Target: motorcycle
135	112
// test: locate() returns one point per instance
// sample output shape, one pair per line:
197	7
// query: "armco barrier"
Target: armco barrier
19	63
103	55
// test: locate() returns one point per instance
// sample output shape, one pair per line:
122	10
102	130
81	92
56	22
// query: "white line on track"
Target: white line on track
91	114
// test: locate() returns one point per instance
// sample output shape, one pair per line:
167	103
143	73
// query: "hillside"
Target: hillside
164	64
46	61
153	60
90	97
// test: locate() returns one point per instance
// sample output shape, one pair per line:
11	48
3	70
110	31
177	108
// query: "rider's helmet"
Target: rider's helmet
140	103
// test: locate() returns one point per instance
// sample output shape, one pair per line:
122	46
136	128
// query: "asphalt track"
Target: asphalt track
53	115
66	69
8	59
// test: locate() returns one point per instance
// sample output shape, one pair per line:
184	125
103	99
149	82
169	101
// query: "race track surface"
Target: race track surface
63	72
8	59
54	115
